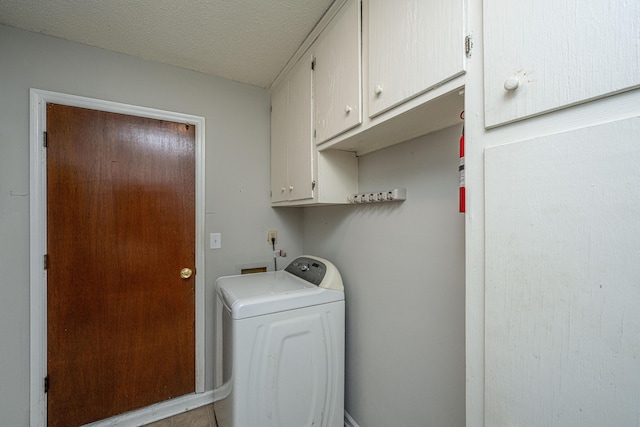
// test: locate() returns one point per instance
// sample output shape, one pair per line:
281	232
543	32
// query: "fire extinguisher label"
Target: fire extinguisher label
461	175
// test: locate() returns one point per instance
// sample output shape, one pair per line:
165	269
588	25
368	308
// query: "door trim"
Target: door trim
38	241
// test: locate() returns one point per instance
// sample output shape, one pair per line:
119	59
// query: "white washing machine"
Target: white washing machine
283	347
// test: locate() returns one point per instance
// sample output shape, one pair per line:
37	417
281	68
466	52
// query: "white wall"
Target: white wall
403	269
237	173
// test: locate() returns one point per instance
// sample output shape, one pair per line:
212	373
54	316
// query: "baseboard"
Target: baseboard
158	411
348	421
176	406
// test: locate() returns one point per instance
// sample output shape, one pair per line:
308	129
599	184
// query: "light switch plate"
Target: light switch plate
215	241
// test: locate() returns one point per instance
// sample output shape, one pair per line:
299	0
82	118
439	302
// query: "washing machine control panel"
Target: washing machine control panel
309	269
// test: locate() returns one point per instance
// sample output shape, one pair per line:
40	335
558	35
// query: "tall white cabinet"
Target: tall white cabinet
562	278
560	203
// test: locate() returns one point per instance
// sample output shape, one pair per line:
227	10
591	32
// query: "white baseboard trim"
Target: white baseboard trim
348	421
158	411
177	406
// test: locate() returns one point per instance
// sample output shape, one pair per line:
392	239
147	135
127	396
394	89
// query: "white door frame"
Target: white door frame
38	248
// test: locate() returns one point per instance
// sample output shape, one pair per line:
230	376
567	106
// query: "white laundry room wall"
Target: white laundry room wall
403	270
236	187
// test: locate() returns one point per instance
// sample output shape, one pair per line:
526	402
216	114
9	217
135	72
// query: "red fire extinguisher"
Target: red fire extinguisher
461	172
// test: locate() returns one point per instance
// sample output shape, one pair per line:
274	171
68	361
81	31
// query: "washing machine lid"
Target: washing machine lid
258	294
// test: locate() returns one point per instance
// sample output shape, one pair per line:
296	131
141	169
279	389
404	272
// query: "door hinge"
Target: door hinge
468	45
44	139
313	64
313	184
46	384
45	261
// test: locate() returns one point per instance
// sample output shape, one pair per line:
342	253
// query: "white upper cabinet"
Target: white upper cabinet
414	51
300	175
292	147
279	142
544	55
413	46
337	74
300	149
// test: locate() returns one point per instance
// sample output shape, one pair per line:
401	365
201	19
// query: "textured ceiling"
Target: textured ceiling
249	41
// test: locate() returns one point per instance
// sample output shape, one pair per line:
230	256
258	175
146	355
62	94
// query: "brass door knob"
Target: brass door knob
185	273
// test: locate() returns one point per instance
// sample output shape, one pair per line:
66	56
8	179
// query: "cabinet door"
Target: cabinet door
562	274
337	74
544	55
300	148
279	141
413	46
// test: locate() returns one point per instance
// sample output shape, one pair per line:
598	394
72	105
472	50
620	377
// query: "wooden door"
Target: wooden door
120	227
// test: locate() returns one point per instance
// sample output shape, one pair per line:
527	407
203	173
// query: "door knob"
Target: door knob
185	273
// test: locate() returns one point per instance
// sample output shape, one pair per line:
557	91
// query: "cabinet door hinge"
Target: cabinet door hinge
313	64
46	384
468	45
313	184
44	139
45	261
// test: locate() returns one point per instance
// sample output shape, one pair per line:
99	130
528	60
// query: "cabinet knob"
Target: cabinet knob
290	188
283	189
347	109
378	90
512	83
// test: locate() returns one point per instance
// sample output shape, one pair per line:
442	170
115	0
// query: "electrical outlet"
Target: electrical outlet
272	234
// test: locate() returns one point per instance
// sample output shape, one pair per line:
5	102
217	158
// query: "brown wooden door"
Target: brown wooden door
120	227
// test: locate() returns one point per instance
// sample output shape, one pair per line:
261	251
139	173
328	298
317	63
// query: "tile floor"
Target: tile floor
199	417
